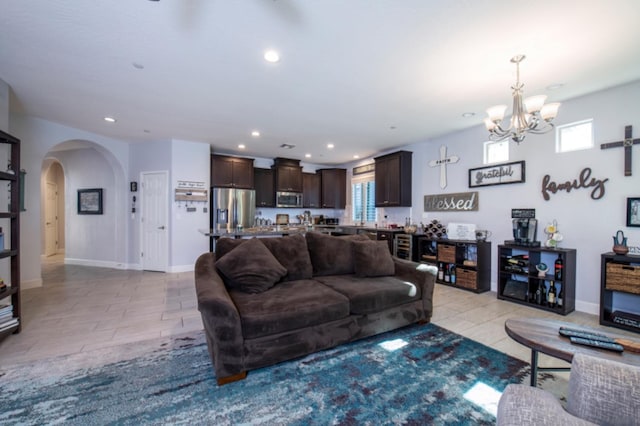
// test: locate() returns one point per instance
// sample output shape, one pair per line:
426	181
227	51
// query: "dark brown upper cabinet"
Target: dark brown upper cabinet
334	188
263	182
393	180
288	175
231	172
311	187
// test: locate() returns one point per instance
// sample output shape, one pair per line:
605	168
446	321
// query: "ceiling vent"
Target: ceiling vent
287	146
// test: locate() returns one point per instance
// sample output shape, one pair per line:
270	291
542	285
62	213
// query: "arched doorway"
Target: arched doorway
85	239
53	208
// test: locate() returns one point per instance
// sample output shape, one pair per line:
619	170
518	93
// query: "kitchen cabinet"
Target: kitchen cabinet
264	185
11	318
519	280
288	175
620	291
231	172
393	179
334	188
311	186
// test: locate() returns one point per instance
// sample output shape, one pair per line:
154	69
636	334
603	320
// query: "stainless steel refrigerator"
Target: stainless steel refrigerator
232	209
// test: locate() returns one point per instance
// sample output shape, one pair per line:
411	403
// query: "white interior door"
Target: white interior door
154	215
51	219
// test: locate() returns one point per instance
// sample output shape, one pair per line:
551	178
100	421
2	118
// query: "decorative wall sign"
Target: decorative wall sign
499	174
633	212
523	213
454	202
364	169
627	143
90	201
442	162
584	181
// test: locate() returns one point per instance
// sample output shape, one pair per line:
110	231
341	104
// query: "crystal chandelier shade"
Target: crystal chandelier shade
529	116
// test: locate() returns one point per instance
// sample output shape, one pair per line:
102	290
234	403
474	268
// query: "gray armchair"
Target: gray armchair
600	392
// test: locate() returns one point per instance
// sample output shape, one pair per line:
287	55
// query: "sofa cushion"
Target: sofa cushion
332	255
291	251
372	259
288	306
250	267
368	295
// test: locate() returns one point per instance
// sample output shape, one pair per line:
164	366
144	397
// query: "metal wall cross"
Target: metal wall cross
442	162
627	143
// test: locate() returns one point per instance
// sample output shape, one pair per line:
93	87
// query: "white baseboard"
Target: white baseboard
181	268
24	285
588	307
95	263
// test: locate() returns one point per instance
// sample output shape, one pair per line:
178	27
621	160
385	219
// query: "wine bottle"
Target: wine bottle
560	301
538	296
558	268
447	274
551	296
441	271
452	272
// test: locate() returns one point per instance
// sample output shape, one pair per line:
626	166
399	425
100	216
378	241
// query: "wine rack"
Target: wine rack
519	280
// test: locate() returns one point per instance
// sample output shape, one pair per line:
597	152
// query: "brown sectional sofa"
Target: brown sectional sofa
268	300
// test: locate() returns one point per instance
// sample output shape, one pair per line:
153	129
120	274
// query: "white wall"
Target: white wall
587	225
4	106
190	162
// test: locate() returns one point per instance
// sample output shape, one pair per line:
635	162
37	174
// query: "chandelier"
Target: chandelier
529	116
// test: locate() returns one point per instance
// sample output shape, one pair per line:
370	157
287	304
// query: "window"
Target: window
363	200
496	151
574	136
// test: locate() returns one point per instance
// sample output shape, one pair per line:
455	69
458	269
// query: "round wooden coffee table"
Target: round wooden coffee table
541	335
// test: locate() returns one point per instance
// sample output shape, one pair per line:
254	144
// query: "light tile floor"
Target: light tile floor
81	309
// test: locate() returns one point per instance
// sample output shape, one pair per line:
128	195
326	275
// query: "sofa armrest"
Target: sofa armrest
220	318
526	405
604	391
421	275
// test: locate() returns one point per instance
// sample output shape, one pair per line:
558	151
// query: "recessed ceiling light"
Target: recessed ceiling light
356	156
241	146
307	156
110	119
468	114
137	65
255	133
271	56
330	146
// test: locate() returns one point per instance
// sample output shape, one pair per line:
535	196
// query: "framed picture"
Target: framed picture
633	212
90	201
498	174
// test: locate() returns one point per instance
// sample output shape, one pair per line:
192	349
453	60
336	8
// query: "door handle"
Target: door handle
161	227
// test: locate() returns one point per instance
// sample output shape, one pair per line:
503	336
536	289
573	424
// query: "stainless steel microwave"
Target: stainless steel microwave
288	199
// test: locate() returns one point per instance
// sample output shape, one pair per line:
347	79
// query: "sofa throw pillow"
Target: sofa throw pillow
292	252
372	259
225	244
331	255
250	267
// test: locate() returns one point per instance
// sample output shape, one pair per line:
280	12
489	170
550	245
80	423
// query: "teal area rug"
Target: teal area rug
416	375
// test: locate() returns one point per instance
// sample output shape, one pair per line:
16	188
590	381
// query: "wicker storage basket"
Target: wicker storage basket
621	277
466	278
446	253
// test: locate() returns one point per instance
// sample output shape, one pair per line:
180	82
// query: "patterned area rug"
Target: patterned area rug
416	375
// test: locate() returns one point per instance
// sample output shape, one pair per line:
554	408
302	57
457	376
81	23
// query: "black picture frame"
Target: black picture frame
90	201
497	174
633	211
